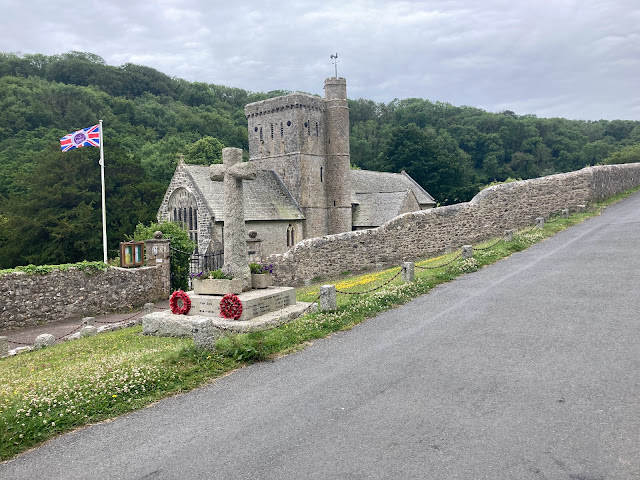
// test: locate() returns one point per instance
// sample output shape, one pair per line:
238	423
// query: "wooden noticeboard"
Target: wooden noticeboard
131	254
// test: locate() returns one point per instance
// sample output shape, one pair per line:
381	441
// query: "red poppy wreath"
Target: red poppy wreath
231	306
180	303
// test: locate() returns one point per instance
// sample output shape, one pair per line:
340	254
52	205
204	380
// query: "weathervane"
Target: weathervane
335	63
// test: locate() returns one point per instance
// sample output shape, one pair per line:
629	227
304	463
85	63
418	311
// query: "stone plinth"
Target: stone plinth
205	329
261	310
210	286
254	302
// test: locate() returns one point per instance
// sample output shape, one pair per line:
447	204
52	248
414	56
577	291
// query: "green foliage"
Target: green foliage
50	202
181	248
425	139
205	151
58	216
84	266
214	275
628	154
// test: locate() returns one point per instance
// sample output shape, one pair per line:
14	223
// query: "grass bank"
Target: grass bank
51	391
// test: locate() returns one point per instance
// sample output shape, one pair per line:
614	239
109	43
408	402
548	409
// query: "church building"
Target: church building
305	186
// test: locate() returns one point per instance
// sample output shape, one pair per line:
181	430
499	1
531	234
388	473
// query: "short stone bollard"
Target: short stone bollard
540	222
565	213
408	272
508	235
467	251
447	249
205	334
328	300
88	321
88	331
4	346
148	308
44	340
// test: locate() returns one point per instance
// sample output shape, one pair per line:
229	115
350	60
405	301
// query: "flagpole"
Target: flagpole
104	203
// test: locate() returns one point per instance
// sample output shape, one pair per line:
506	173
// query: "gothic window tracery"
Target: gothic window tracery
183	209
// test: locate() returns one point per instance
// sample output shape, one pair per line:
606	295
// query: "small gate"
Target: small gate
197	262
205	263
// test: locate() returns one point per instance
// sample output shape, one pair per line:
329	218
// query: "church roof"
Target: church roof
265	198
374	209
368	182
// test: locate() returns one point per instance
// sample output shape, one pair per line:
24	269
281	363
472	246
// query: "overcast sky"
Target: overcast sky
552	58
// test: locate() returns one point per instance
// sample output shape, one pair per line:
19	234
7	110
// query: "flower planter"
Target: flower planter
260	280
210	286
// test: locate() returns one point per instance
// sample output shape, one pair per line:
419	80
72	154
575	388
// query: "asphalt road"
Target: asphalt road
527	369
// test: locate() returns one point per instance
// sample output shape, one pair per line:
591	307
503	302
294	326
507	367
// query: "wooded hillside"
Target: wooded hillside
50	201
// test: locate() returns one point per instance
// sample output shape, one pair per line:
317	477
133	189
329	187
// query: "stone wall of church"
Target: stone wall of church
182	180
425	233
30	300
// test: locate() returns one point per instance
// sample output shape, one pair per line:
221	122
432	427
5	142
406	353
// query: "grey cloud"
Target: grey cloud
576	59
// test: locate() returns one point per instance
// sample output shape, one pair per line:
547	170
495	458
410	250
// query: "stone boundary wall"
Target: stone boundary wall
425	233
30	300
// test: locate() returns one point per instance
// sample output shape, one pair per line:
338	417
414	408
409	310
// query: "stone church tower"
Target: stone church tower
305	140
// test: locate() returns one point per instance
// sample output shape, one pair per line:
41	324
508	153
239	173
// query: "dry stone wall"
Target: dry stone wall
425	233
30	300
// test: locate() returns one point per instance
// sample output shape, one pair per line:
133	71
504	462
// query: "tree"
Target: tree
436	164
59	218
205	151
630	154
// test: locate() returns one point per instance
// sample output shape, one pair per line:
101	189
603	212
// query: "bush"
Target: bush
181	248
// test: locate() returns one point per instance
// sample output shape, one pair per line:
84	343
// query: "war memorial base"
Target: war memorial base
261	310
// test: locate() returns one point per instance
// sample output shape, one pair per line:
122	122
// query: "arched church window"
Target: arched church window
185	211
317	129
290	236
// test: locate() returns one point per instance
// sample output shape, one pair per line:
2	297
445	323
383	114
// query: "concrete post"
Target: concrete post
4	346
148	308
508	235
540	222
408	272
467	251
447	249
565	213
328	300
88	321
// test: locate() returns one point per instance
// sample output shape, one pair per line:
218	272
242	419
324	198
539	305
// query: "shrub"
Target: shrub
181	248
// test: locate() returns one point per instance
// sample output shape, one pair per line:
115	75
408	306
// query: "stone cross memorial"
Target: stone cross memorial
232	172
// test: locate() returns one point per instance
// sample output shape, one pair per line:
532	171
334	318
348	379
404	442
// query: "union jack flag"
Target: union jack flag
87	137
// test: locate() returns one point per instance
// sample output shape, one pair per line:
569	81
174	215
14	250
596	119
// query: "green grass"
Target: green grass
48	392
